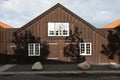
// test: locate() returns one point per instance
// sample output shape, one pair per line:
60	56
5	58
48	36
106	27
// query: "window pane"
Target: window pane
56	32
85	48
66	29
51	32
37	49
50	29
88	48
34	49
82	48
64	32
30	49
58	29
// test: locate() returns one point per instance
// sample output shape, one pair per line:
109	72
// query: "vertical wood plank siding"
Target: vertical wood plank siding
5	40
39	28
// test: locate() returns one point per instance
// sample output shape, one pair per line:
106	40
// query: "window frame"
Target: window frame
56	31
32	49
84	49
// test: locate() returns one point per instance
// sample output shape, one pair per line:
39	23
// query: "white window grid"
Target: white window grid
33	49
58	29
85	48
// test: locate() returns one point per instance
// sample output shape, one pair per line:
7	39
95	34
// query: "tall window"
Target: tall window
34	49
85	48
58	29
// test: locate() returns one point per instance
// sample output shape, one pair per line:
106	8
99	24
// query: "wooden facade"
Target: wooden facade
5	40
58	13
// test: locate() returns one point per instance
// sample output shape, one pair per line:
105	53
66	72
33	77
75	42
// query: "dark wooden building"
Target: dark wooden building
52	27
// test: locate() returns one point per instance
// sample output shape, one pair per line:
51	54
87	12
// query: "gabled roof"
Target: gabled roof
68	11
113	25
3	25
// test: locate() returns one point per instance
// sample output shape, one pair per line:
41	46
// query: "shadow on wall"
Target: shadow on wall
113	46
5	58
72	49
21	41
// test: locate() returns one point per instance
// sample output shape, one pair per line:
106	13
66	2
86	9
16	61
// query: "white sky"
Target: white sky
99	13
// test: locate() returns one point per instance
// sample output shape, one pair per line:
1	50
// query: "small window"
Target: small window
58	29
85	48
34	49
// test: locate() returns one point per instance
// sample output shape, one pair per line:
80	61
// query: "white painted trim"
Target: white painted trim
53	26
55	58
53	43
70	43
13	46
84	54
33	44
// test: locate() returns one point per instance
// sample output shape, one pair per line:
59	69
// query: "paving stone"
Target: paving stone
5	67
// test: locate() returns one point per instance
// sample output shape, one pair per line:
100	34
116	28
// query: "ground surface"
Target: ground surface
62	69
57	67
58	77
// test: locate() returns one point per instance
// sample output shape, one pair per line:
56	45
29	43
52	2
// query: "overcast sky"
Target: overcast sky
99	13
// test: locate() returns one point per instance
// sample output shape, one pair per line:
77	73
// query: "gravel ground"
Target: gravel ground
1	65
57	67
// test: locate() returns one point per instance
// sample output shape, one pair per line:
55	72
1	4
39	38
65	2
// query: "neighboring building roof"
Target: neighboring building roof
3	25
113	25
67	10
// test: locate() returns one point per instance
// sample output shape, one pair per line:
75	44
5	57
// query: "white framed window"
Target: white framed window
85	48
33	49
58	29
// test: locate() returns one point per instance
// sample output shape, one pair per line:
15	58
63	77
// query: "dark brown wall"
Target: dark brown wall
89	34
39	28
5	40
